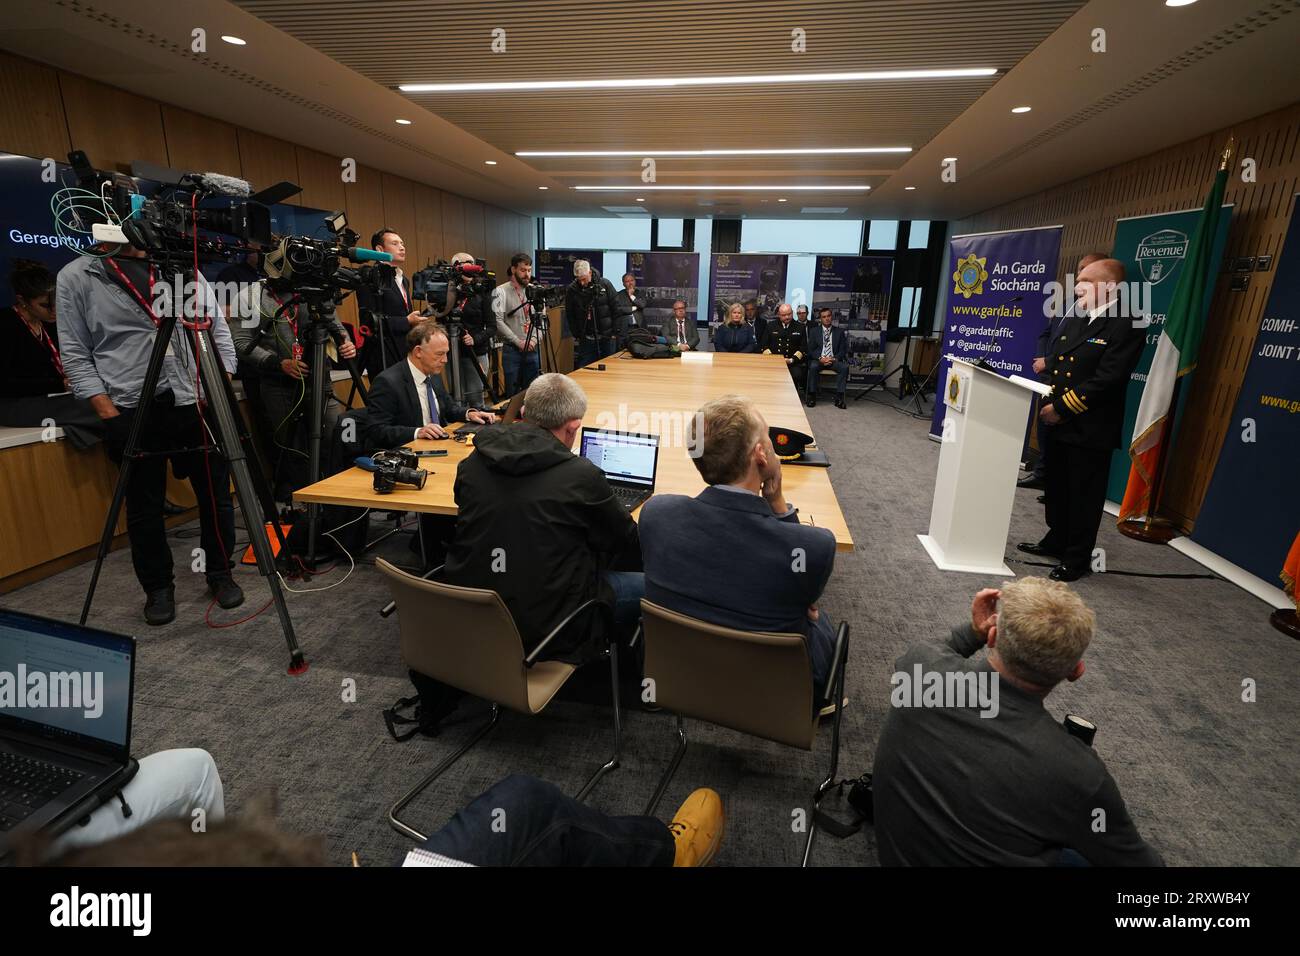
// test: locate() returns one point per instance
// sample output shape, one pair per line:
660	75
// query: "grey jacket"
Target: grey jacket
511	328
105	337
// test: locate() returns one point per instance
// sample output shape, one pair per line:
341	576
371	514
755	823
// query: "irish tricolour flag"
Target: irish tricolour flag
1176	351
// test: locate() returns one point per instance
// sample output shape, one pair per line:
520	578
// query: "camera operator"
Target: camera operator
515	324
107	326
629	309
271	341
392	312
477	326
589	307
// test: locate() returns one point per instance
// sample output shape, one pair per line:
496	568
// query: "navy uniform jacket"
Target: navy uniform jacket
839	344
735	338
1088	367
686	543
786	341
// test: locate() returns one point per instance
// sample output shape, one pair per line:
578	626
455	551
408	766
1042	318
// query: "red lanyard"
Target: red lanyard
54	352
136	292
296	348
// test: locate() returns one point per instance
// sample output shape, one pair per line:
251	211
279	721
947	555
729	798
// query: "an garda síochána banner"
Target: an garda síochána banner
998	286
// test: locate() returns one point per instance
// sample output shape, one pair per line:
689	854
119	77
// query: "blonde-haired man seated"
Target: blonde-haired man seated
972	770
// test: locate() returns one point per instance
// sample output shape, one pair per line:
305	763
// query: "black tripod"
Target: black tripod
907	383
235	444
538	327
318	337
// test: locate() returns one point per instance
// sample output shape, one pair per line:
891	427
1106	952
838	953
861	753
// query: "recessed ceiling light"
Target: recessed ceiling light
909	188
659	82
640	199
950	159
1021	109
489	162
723	188
543	187
715	152
403	122
1179	3
235	40
783	200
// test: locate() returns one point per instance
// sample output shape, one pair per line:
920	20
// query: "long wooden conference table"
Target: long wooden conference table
658	397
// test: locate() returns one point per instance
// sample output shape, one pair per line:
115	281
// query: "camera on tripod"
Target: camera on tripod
398	467
315	266
445	282
542	297
172	223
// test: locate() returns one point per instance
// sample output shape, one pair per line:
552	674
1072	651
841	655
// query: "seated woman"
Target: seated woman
735	335
33	388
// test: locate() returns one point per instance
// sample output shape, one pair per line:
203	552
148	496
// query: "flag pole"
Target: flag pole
1153	528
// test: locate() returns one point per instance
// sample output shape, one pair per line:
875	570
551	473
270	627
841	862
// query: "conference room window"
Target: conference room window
669	233
882	235
809	236
909	306
611	233
918	236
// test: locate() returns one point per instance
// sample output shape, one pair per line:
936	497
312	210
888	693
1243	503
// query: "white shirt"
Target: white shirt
427	414
397	277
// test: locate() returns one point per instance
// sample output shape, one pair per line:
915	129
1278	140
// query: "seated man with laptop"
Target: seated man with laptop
542	527
742	512
66	770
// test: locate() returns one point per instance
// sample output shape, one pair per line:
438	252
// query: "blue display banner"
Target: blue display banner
856	289
1251	511
997	301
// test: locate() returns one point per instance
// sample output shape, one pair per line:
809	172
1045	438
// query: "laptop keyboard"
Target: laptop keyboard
629	498
26	784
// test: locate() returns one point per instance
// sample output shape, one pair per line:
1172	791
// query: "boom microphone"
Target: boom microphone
223	185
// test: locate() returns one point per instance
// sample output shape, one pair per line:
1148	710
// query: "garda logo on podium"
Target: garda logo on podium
954	394
969	278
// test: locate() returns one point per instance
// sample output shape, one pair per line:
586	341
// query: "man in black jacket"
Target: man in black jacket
629	310
540	525
388	316
407	401
1088	365
828	348
785	337
589	308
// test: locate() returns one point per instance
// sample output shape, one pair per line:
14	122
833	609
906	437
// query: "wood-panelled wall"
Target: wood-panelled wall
1179	178
45	112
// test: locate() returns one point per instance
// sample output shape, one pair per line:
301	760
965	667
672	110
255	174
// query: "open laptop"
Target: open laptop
65	722
628	461
508	412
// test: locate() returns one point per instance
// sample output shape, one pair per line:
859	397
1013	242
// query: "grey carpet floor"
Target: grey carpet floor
1209	779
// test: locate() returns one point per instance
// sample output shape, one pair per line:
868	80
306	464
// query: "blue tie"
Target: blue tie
435	413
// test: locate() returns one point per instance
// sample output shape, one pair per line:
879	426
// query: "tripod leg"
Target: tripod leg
258	470
319	381
211	373
151	374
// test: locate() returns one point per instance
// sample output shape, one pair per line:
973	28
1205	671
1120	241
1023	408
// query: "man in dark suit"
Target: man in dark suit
828	348
629	310
1089	366
1051	332
407	401
755	319
743	511
389	315
681	332
785	337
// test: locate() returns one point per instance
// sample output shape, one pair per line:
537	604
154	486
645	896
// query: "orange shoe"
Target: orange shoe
697	828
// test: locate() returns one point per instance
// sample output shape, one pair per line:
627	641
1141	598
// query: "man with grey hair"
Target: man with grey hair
959	783
589	304
541	526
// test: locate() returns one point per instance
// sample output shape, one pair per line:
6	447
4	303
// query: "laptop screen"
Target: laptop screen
66	683
624	457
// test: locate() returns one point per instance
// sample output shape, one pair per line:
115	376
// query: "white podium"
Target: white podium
979	462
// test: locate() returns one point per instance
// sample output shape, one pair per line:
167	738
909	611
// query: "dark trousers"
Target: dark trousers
587	351
513	361
1076	493
285	404
169	429
522	821
815	367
